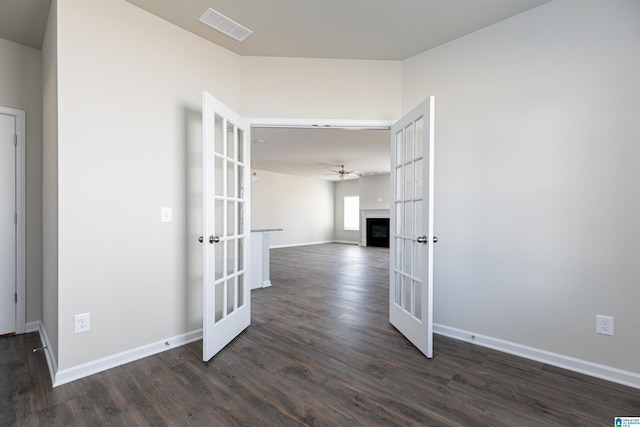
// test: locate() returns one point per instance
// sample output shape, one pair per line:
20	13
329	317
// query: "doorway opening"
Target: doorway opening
317	150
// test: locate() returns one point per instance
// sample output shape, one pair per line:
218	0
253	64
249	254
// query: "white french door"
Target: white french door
226	295
411	245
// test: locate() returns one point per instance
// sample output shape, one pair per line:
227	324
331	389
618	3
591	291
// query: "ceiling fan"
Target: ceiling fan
343	173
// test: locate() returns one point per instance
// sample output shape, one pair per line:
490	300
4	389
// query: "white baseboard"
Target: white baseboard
615	375
608	373
346	242
75	373
292	245
322	242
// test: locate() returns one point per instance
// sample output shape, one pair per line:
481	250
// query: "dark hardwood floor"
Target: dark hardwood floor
320	351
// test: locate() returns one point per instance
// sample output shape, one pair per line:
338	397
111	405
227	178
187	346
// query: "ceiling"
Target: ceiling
315	152
340	29
24	21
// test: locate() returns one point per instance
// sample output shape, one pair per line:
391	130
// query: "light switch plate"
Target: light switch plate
165	214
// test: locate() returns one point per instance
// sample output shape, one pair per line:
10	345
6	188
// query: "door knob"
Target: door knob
214	239
425	239
200	239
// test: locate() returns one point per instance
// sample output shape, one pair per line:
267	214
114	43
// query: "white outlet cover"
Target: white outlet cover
604	325
82	323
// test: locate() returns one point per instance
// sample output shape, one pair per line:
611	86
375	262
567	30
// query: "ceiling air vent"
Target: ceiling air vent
226	26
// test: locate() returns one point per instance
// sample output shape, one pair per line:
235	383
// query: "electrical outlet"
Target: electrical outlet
82	322
604	325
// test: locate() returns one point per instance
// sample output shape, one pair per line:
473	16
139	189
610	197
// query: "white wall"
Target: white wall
375	191
21	88
344	189
129	89
536	178
320	88
276	203
302	207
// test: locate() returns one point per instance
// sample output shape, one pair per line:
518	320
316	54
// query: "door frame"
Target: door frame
319	123
20	118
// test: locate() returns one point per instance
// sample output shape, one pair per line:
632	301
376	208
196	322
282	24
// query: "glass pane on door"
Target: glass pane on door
417	260
219	308
231	179
240	254
419	136
406	284
408	152
219	260
240	174
408	181
399	248
241	290
218	146
240	212
408	219
219	221
418	218
240	149
231	141
408	256
399	148
418	179
231	295
219	177
231	218
231	256
417	297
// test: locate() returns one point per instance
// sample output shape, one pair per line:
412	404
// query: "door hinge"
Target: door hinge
16	294
15	139
15	219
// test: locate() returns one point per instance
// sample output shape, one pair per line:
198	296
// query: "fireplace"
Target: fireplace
378	232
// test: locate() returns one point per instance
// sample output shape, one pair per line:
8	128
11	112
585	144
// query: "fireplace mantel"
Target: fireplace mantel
370	213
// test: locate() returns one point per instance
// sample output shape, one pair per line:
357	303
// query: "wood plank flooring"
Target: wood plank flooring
320	351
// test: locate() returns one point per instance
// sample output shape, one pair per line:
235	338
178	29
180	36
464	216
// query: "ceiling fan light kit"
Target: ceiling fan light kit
343	173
